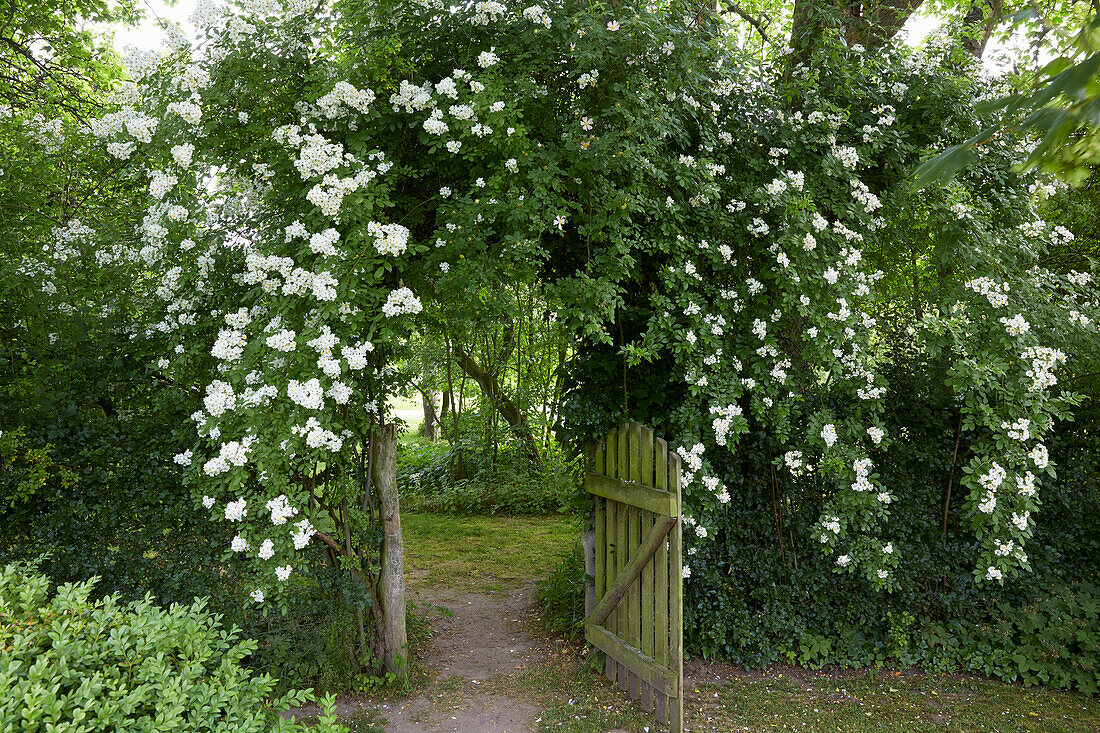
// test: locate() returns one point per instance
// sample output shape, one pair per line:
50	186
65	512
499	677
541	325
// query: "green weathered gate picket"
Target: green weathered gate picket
637	619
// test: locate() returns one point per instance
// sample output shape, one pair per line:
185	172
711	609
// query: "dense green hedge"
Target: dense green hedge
761	592
88	666
114	505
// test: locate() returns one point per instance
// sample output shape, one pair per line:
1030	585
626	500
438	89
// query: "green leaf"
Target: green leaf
943	167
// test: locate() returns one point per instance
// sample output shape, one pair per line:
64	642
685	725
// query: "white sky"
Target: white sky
918	26
148	36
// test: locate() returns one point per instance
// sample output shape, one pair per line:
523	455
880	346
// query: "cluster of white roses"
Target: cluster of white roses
177	117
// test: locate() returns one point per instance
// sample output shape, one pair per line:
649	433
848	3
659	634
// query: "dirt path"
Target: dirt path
490	664
478	639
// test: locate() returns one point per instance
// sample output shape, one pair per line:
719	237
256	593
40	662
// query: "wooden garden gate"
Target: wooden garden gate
637	615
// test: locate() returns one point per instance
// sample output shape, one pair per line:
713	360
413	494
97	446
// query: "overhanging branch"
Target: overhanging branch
745	15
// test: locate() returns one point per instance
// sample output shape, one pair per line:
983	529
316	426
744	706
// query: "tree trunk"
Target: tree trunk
978	25
444	414
495	394
883	21
391	578
431	420
870	24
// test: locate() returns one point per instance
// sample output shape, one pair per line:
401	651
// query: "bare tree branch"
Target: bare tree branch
755	22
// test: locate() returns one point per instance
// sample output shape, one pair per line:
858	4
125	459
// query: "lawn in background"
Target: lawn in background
409	411
487	554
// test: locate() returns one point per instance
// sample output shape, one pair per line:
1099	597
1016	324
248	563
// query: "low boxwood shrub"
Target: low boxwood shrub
67	662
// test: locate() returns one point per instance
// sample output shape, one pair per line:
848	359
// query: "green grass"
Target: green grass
880	700
487	554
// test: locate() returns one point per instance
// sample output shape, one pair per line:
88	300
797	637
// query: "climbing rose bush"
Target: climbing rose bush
769	317
317	174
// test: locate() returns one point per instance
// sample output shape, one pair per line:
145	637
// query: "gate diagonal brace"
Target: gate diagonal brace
660	678
615	593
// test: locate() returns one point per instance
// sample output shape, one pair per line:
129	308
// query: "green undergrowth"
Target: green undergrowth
561	593
311	642
471	478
